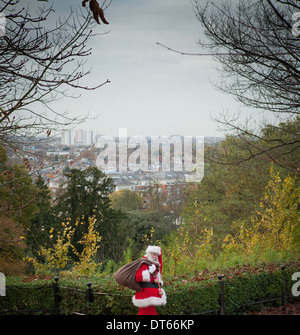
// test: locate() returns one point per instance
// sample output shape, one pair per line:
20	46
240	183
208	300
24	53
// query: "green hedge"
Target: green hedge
184	295
27	296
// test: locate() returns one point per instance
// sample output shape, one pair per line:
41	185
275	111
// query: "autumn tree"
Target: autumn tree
230	191
126	200
86	194
274	232
156	197
141	227
147	227
17	206
226	193
56	258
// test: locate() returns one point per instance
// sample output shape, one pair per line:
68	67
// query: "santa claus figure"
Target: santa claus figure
149	276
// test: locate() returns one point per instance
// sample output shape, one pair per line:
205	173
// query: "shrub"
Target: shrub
187	294
57	258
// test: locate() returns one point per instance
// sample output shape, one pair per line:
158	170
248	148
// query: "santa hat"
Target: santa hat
153	248
157	250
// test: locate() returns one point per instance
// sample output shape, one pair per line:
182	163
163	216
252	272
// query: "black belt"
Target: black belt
152	285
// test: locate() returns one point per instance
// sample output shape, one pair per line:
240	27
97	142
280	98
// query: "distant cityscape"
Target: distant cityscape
75	149
83	137
78	137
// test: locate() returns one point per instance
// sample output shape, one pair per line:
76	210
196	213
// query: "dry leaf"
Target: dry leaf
97	11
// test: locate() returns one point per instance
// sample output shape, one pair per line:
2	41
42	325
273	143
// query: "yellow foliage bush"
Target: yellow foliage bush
90	242
273	234
57	257
275	225
187	251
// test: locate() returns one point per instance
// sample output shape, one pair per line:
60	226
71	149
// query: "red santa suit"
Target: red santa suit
151	294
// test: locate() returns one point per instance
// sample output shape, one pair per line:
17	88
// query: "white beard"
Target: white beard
152	260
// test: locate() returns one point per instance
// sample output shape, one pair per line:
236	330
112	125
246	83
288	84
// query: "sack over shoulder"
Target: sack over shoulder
125	276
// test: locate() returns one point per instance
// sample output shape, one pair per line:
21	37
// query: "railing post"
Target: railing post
57	298
89	296
284	293
221	296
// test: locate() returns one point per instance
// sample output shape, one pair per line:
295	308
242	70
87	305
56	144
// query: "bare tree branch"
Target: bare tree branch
38	65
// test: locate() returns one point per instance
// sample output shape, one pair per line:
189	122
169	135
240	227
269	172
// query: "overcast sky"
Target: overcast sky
153	91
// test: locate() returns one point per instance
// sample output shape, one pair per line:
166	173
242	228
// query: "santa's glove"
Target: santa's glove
152	268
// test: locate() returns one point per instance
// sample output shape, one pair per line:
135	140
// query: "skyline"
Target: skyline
89	137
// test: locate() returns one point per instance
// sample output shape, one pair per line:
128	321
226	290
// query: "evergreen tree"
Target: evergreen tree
43	220
86	194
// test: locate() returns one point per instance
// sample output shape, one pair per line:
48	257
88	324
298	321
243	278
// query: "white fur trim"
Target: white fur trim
152	268
146	276
151	301
153	248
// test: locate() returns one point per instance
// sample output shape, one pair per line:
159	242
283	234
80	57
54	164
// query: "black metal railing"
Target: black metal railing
90	297
284	296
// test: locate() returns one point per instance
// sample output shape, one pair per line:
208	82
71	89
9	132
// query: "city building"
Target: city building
77	137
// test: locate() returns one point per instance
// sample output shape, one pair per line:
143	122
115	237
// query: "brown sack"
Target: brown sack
125	276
